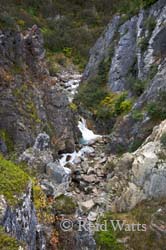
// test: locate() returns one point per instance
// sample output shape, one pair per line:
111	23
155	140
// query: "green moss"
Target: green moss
7	140
31	109
107	239
13	180
24	97
7	242
64	204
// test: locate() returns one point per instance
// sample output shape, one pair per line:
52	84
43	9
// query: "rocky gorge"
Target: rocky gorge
61	162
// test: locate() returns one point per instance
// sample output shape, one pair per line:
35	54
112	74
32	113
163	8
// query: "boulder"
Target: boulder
92	216
39	155
87	205
57	173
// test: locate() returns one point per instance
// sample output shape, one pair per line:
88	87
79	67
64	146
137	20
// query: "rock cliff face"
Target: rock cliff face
141	175
30	101
133	53
21	222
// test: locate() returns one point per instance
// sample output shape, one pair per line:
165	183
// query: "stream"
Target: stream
88	136
85	176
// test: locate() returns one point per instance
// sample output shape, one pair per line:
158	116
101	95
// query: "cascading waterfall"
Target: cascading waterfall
88	137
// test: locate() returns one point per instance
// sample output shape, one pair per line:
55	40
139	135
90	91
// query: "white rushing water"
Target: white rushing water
75	157
88	138
71	85
87	135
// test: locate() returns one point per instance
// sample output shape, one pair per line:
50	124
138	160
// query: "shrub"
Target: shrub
157	110
131	7
103	104
136	86
6	21
67	51
21	23
152	71
150	24
113	105
91	94
143	43
126	106
154	111
137	115
163	140
73	107
135	145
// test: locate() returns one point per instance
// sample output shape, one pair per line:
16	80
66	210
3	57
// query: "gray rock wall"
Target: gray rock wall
138	48
30	101
21	223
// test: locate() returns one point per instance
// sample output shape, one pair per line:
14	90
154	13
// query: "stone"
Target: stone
101	48
87	150
92	216
42	142
103	160
84	166
47	187
87	205
77	160
100	173
89	178
56	173
37	159
90	171
21	222
124	56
